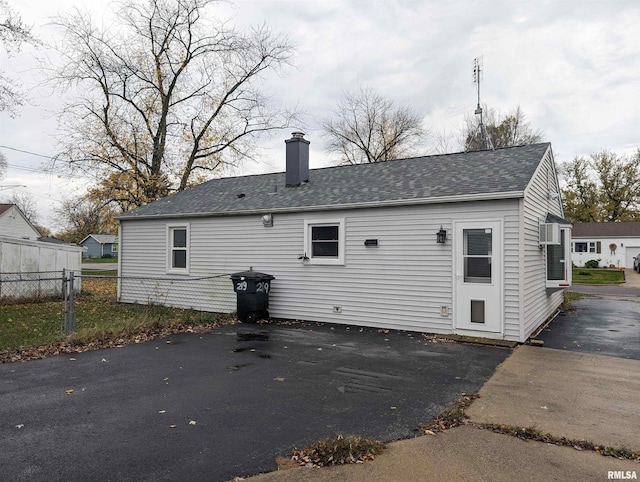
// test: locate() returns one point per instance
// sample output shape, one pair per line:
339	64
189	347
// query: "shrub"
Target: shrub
107	256
592	263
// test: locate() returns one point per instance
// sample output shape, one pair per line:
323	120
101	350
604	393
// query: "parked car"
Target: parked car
636	263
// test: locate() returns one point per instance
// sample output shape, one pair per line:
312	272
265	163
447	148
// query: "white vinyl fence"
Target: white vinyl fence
22	259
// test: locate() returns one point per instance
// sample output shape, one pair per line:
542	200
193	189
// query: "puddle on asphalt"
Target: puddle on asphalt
253	336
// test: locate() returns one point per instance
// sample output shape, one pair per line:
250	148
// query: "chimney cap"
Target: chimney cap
297	135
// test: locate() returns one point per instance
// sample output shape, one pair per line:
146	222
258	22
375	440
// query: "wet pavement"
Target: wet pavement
602	326
224	404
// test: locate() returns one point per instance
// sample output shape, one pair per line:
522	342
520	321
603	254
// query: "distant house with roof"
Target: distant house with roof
470	243
15	224
100	246
612	244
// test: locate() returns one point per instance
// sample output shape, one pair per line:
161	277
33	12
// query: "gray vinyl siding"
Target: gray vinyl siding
538	304
401	284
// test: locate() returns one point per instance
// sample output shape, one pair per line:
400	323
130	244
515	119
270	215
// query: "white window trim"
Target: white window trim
170	229
566	282
308	224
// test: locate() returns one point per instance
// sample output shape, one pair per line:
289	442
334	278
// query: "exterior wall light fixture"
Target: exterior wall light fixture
267	220
441	236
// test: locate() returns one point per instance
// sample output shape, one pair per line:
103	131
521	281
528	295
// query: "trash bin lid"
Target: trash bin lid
252	275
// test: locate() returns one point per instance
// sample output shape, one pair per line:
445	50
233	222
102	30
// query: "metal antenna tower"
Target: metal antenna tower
481	131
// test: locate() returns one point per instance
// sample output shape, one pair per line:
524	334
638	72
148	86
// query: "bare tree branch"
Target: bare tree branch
368	128
13	34
167	93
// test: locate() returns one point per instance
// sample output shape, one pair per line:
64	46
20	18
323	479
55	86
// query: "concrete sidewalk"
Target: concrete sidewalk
566	394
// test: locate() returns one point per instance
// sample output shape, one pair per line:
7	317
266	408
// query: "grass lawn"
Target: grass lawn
98	318
598	276
99	260
99	272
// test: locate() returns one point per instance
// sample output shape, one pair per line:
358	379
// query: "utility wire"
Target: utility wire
39	169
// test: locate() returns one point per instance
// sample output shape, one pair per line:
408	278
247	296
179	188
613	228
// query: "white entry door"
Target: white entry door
478	274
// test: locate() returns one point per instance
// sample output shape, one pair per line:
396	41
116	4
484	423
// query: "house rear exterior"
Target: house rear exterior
359	245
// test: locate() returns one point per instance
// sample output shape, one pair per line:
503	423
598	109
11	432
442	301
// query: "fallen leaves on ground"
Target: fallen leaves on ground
108	341
338	451
453	416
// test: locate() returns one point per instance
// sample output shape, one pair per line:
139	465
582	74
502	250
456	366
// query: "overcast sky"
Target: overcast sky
573	66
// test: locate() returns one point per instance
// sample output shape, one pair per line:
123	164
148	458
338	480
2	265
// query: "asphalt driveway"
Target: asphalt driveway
224	404
601	326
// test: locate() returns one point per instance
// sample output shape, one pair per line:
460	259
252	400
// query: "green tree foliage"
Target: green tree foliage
510	130
603	187
164	97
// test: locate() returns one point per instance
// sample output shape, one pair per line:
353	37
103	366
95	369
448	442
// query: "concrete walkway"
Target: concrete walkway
566	394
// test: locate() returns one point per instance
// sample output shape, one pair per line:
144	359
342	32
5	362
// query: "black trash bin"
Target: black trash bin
252	289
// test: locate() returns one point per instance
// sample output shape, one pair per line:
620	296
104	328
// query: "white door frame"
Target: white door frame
492	292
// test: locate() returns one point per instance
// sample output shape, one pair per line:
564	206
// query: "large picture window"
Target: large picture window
178	249
324	241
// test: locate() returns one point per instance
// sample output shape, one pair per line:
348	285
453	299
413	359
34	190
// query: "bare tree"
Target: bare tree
604	187
510	130
82	216
166	98
26	204
368	128
13	34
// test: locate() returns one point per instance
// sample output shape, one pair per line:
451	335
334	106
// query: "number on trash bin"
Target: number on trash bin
241	286
262	287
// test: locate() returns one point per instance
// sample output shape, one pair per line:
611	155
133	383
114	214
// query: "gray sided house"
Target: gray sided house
100	245
470	243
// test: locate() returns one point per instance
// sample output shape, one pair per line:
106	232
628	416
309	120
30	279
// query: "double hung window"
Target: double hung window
178	249
324	241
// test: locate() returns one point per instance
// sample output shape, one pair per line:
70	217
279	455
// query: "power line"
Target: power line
39	169
28	152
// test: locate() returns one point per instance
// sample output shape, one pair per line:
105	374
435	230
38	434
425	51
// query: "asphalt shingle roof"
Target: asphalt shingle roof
507	170
103	238
613	230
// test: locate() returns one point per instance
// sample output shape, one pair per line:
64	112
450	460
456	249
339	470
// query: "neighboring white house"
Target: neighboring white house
469	243
23	257
611	244
15	224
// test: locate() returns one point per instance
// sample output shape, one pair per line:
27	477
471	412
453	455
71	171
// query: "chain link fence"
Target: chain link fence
25	286
95	301
210	293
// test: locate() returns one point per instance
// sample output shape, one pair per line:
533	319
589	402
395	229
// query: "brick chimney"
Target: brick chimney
297	155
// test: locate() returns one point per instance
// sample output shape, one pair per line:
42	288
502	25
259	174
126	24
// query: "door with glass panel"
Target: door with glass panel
478	276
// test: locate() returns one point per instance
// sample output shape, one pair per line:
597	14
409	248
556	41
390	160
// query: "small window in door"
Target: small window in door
477	255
